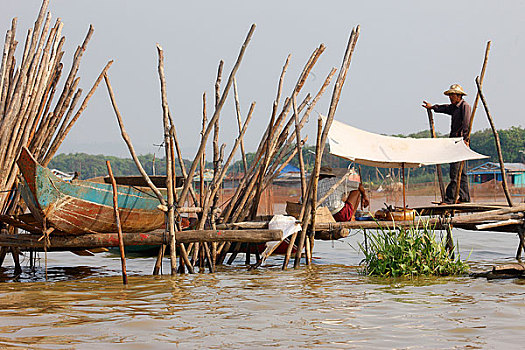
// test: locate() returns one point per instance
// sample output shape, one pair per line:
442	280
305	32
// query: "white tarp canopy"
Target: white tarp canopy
367	148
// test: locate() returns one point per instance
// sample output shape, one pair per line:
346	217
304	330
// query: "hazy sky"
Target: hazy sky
408	51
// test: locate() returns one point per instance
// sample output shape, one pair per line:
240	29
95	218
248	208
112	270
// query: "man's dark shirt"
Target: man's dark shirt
460	117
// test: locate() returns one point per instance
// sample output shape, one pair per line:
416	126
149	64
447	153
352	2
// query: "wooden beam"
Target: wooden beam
98	240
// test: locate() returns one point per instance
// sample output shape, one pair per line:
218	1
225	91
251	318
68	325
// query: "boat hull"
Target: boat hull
80	207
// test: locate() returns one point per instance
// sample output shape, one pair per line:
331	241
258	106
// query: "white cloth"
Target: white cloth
392	152
280	222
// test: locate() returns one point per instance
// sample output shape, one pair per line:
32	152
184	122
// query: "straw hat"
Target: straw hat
455	89
326	171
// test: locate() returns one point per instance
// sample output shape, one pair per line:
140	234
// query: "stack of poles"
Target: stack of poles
173	201
29	114
276	149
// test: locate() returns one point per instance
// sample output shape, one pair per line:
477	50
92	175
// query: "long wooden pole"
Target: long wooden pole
438	166
248	181
216	114
119	227
498	144
131	149
474	109
203	157
315	179
169	176
299	149
352	41
404	196
60	138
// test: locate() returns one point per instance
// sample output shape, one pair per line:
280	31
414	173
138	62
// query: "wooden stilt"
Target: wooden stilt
15	252
450	241
233	255
521	245
117	220
404	196
3	253
158	261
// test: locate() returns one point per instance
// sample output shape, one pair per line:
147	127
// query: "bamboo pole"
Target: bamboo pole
169	176
173	134
438	166
117	220
196	161
498	144
203	158
331	112
248	195
131	149
311	106
299	150
239	123
221	176
315	177
264	165
6	70
471	122
60	138
246	189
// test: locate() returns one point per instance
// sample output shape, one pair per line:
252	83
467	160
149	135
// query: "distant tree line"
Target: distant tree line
512	142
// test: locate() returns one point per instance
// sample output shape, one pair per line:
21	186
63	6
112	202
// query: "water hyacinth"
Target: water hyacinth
410	251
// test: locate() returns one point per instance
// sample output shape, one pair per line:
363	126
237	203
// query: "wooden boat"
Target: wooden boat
80	206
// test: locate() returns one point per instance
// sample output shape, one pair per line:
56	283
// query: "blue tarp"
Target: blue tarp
290	169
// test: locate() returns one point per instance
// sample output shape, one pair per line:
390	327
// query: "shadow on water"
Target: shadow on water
54	274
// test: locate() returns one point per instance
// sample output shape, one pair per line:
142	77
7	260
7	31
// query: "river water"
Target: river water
83	305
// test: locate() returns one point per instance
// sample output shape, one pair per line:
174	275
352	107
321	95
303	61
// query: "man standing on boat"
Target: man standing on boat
343	201
460	111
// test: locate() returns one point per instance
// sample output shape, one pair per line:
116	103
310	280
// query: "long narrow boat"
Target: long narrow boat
81	206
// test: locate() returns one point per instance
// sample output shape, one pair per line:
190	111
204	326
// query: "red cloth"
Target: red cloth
345	214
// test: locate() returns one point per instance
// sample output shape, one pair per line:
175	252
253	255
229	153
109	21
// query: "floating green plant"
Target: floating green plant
410	251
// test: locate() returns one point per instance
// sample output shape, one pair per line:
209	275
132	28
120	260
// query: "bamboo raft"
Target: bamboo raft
27	94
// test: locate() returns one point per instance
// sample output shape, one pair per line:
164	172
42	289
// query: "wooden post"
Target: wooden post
169	176
404	197
438	166
498	145
521	236
315	178
117	220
